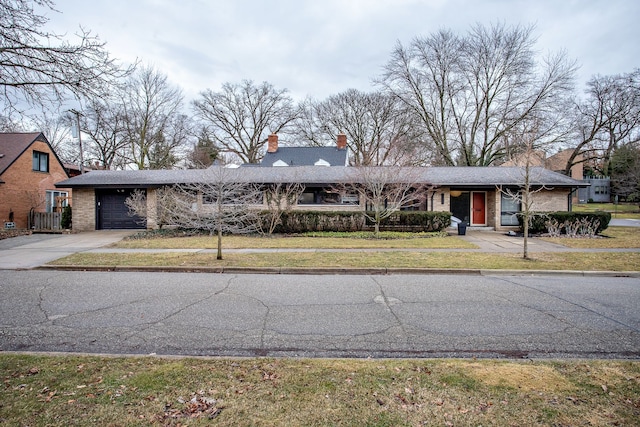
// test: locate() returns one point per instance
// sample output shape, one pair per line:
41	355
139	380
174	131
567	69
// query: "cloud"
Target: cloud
323	48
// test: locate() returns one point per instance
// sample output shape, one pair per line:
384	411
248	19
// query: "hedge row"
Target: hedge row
305	221
415	221
537	223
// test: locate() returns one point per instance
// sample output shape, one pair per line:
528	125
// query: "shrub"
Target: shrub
309	221
303	221
66	218
540	221
416	221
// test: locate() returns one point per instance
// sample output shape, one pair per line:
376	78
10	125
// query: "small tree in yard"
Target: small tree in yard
166	199
384	190
279	198
216	202
524	192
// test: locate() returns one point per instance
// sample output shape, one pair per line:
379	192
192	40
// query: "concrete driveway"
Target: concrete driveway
34	250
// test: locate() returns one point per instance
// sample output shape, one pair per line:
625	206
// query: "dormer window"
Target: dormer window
280	163
322	162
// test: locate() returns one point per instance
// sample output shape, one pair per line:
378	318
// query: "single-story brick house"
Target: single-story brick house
471	193
29	170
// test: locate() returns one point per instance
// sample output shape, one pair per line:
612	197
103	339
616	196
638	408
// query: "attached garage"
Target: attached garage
112	212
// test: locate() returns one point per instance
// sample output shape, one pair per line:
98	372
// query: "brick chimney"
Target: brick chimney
273	143
342	141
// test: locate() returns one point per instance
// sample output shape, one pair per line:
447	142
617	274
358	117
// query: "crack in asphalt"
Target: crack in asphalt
148	325
265	319
569	302
388	304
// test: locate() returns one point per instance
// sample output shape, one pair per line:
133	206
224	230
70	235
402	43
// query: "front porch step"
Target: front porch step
479	228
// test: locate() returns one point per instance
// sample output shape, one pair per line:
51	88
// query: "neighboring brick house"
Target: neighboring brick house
29	170
557	163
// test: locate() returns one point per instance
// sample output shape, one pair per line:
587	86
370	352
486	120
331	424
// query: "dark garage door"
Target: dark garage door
112	212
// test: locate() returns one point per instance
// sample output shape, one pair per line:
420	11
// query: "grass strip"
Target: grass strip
141	391
582	261
358	241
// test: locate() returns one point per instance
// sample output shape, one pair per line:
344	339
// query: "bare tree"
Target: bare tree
8	124
38	66
240	117
222	205
625	173
379	129
524	193
57	129
103	121
165	208
279	198
608	118
217	201
469	92
384	190
154	127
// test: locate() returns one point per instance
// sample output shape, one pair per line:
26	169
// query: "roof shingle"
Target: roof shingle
310	175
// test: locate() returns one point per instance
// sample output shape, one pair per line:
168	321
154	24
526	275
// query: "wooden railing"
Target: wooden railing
45	220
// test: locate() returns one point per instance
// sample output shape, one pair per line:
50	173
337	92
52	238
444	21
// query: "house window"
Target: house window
320	196
350	199
40	161
509	209
56	200
307	198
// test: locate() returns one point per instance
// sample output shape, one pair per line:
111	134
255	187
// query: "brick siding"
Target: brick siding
25	189
84	209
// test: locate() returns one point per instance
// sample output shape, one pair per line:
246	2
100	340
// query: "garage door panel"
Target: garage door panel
113	213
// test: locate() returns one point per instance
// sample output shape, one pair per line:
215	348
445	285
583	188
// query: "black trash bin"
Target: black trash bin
462	228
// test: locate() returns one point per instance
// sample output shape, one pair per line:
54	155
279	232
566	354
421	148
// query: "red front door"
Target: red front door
478	208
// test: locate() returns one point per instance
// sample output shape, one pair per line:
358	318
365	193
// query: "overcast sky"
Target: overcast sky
324	47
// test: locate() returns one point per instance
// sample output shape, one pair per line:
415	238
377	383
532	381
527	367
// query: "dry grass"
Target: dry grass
582	261
89	391
295	242
612	237
620	211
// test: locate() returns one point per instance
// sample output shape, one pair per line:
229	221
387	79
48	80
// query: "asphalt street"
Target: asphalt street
320	316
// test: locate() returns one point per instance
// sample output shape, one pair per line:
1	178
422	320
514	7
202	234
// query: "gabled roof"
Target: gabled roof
469	177
305	156
13	145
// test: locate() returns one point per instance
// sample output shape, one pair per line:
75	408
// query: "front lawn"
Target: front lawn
311	241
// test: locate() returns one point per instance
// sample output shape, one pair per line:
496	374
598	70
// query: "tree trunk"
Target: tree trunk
219	256
525	246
